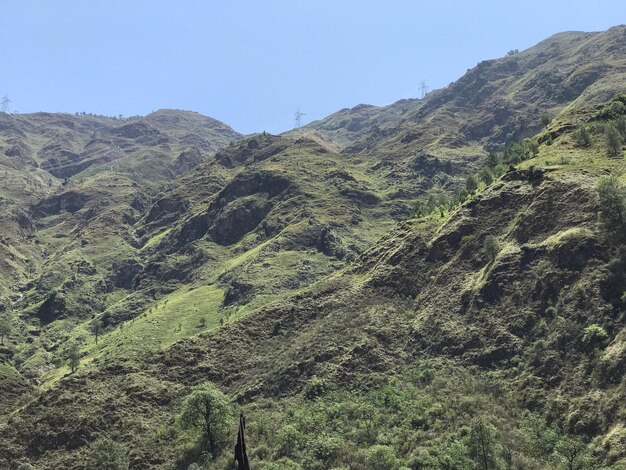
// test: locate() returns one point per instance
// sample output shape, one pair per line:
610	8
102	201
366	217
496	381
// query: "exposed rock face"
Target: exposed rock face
235	211
135	130
238	218
239	293
52	308
187	160
124	274
330	244
18	149
70	201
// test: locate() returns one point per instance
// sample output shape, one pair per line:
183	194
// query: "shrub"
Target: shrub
612	195
471	184
594	335
381	456
486	176
613	142
315	388
106	454
491	247
582	138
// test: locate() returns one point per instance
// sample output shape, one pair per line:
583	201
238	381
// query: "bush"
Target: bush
582	138
315	388
613	142
486	176
380	456
612	195
106	454
491	247
594	336
471	184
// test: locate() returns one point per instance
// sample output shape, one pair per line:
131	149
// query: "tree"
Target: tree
613	142
208	410
482	444
491	247
582	137
106	454
5	328
72	355
486	176
572	453
96	327
612	195
492	159
545	119
471	184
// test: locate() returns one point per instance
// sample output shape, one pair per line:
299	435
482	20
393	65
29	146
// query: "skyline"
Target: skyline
252	66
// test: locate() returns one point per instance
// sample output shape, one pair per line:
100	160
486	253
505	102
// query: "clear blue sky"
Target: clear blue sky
252	63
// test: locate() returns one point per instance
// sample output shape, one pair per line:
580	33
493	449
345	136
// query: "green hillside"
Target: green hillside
435	284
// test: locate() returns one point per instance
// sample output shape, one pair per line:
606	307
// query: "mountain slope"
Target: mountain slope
257	267
426	290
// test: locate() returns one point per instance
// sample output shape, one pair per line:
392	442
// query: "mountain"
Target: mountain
497	101
290	271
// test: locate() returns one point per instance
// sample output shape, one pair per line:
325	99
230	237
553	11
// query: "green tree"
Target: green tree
571	452
486	176
612	195
96	326
594	335
620	125
72	355
492	159
5	328
545	119
381	456
613	142
582	137
482	444
106	454
491	247
208	410
471	184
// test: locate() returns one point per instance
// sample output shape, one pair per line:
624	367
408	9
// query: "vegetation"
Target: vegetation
208	411
613	142
491	246
5	327
612	195
106	454
96	326
284	269
72	355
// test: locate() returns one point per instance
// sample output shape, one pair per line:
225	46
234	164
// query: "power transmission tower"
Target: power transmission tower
423	89
4	104
298	118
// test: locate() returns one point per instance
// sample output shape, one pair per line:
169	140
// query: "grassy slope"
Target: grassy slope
509	342
183	295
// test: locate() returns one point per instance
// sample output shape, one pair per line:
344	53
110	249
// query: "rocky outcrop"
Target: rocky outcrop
236	210
53	308
124	274
187	160
70	201
238	218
